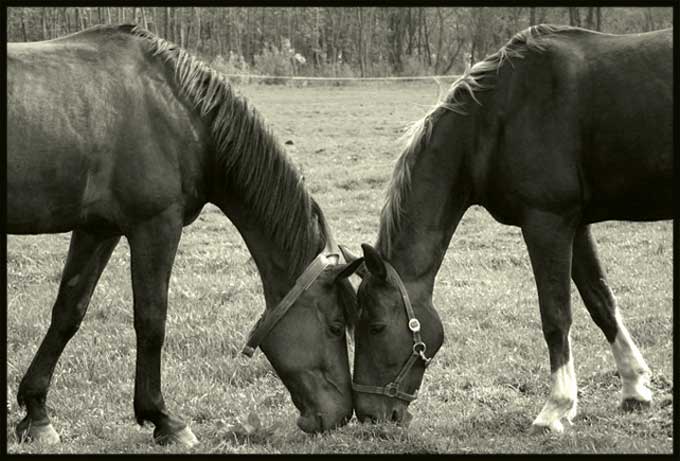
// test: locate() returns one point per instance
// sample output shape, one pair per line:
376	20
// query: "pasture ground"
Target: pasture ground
481	393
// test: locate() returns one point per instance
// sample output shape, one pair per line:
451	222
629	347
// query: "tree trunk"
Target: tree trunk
360	43
263	19
440	40
649	23
56	26
452	57
80	25
197	17
598	18
67	21
43	23
532	16
428	51
179	17
23	25
144	23
589	17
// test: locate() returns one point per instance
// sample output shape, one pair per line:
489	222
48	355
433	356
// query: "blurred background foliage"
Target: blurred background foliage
332	42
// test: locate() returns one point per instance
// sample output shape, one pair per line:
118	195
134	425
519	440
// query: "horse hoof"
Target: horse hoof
41	433
182	437
631	404
555	427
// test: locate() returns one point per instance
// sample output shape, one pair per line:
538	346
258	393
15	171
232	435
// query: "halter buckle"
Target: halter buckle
391	389
414	325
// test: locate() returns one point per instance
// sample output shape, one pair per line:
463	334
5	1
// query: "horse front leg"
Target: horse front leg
549	240
153	245
87	257
601	304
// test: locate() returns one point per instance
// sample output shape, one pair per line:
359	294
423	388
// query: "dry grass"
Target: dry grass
480	395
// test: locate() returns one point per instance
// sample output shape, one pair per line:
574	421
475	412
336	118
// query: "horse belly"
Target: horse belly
44	187
648	199
628	168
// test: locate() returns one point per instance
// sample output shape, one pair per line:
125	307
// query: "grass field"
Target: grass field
481	393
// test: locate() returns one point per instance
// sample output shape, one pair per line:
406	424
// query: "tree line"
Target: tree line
352	41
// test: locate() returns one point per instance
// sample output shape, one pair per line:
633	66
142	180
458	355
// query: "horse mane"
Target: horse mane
473	80
253	160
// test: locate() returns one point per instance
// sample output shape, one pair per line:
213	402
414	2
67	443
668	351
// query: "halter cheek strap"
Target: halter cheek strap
271	317
418	351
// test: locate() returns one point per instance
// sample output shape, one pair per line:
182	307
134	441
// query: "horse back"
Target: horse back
97	134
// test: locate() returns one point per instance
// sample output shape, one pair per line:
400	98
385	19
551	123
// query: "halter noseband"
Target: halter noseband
271	317
418	351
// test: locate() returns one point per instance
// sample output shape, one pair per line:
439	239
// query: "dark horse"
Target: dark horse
115	132
561	128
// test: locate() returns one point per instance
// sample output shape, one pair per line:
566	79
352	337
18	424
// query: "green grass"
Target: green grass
487	383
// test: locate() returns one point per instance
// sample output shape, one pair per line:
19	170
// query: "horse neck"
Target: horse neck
438	196
275	265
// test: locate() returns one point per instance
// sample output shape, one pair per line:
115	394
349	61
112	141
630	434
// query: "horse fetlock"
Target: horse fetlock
571	414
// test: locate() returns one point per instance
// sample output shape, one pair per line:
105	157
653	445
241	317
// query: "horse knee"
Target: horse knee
67	323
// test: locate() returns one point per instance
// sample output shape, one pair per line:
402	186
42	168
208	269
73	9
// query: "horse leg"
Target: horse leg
549	240
601	304
152	247
87	256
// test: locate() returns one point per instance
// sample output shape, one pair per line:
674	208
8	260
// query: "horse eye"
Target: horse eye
375	329
336	330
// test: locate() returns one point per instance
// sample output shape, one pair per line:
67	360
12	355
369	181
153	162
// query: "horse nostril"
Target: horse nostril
396	416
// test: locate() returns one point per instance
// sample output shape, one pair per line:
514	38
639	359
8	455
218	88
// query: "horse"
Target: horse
114	131
559	129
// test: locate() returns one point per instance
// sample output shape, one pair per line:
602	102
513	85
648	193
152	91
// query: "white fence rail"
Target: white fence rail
330	79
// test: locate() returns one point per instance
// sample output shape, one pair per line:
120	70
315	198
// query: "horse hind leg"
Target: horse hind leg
87	256
601	304
153	245
549	239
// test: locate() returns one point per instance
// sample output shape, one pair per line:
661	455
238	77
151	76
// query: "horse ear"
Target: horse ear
374	262
345	270
349	257
360	269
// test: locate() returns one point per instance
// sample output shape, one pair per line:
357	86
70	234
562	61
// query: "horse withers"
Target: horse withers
561	128
115	132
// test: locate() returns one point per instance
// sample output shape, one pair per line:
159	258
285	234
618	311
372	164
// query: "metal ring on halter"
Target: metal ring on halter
421	352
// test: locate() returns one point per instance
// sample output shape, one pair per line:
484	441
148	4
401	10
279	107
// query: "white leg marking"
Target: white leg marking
562	400
632	367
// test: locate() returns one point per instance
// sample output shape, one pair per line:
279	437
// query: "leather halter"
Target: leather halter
330	255
418	351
